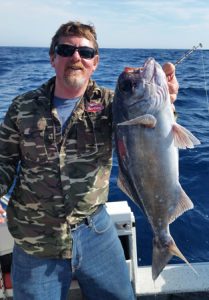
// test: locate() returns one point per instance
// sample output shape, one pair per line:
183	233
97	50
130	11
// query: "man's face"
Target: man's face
74	71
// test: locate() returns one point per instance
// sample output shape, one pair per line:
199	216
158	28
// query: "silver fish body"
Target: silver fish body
147	139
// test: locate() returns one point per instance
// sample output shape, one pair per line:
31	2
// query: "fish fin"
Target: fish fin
175	251
184	204
160	257
183	138
126	187
123	186
146	120
125	182
162	253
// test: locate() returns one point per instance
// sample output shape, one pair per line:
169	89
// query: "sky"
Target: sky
166	24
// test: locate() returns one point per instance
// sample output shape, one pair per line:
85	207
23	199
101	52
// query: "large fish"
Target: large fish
147	139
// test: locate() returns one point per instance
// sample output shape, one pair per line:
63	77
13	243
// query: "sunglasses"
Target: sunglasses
68	50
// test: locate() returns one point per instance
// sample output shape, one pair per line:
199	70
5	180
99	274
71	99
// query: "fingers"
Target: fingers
173	97
169	69
173	88
1	209
2	214
173	85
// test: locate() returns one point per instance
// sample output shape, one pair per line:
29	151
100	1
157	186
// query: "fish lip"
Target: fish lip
148	71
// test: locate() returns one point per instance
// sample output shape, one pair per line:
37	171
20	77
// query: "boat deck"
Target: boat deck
174	279
176	282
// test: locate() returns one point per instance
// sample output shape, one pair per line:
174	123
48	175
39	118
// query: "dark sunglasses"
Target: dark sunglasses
68	50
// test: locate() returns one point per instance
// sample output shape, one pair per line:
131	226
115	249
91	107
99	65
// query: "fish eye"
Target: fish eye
126	85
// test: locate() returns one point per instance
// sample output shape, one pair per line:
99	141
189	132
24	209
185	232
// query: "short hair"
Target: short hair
74	28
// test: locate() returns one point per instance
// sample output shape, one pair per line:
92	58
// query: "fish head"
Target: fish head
140	91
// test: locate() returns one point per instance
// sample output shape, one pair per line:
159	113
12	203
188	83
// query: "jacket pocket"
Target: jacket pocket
101	222
32	145
86	140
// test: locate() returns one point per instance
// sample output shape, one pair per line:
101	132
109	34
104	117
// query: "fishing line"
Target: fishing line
204	76
189	52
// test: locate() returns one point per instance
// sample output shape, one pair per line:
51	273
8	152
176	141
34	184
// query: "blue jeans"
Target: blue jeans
98	263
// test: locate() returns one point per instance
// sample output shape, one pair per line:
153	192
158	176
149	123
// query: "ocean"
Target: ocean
23	69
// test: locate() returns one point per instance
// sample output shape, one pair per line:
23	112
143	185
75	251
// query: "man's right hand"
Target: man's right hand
2	217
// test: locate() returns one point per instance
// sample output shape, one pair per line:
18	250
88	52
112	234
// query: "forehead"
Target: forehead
75	41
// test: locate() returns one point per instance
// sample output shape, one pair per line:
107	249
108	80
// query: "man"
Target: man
60	135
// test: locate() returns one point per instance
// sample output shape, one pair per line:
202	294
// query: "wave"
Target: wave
23	69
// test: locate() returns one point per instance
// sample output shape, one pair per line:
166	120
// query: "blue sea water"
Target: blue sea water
22	69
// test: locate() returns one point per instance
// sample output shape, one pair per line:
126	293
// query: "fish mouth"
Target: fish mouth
153	73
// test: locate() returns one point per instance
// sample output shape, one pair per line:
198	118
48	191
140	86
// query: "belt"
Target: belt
87	220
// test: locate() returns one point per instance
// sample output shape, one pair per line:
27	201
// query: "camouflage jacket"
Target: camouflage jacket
62	176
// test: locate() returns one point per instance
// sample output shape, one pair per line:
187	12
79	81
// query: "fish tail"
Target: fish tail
174	249
162	253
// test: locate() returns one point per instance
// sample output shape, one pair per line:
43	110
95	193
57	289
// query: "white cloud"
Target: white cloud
119	23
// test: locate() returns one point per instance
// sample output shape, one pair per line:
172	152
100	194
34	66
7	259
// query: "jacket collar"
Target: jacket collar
92	94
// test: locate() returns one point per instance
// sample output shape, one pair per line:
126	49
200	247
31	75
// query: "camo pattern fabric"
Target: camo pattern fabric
62	176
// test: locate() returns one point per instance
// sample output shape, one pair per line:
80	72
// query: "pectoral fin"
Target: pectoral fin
183	138
146	120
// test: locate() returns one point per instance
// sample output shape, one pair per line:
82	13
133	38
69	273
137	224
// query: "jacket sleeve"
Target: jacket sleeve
9	149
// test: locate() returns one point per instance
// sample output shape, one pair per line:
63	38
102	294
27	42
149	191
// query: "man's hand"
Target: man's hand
173	85
2	212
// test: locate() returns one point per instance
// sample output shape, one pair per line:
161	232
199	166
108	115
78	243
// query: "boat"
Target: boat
175	279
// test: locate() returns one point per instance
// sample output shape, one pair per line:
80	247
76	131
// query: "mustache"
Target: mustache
76	66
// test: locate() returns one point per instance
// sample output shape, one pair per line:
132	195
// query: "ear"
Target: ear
95	62
52	58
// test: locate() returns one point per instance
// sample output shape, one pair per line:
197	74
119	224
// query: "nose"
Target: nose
76	55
